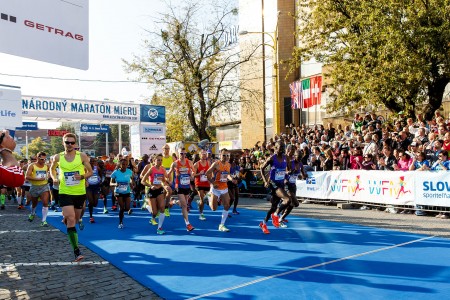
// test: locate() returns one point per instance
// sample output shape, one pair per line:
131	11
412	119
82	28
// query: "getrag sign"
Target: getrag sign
53	31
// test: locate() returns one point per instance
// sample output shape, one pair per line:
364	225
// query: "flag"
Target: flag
316	90
296	94
306	91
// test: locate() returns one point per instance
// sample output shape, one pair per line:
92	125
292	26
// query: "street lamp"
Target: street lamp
274	46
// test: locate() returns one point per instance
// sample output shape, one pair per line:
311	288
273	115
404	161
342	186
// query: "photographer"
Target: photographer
11	175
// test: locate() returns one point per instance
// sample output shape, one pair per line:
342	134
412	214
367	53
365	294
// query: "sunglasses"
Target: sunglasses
166	148
69	143
182	153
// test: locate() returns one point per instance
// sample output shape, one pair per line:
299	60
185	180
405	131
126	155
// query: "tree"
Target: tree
395	53
190	62
37	145
56	143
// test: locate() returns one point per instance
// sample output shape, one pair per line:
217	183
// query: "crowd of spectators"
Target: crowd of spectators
368	143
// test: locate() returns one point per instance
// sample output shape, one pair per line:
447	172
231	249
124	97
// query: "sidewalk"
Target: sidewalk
36	263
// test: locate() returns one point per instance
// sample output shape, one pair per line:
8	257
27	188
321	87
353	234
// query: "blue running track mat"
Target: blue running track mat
312	259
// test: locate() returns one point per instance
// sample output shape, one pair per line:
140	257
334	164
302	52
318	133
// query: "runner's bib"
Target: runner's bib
224	177
280	174
158	178
69	178
122	187
40	174
185	179
203	178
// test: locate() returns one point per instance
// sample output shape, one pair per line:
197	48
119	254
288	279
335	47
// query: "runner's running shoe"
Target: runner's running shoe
223	228
275	220
153	221
105	211
78	255
264	228
167	212
30	218
189	227
202	217
91	220
80	224
120	226
44	224
160	231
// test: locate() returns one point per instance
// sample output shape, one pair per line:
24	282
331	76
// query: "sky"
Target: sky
116	31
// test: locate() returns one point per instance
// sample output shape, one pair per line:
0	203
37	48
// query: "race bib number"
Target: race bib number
94	179
41	174
122	187
108	173
69	178
292	179
185	179
157	179
203	178
280	175
224	177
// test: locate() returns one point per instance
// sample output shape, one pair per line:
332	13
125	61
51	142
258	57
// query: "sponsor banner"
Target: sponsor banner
396	188
10	110
147	139
230	145
315	186
28	126
432	188
152	113
53	31
94	128
55	132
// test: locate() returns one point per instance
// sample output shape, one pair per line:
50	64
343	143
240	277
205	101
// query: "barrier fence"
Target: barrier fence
428	190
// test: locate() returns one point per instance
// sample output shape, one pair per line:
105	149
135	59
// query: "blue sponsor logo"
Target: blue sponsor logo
28	126
153	113
94	128
436	186
310	180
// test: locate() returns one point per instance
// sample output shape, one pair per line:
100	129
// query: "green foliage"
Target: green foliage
36	145
394	53
191	65
56	142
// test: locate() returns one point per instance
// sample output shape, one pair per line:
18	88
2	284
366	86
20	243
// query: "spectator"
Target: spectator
404	162
356	158
388	160
327	160
442	164
367	163
420	163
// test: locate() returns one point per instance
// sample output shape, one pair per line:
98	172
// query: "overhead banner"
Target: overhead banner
94	128
52	31
59	109
10	108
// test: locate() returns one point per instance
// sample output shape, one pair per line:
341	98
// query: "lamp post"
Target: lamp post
274	46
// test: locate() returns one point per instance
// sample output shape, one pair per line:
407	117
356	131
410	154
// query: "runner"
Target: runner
167	162
72	186
201	181
233	189
218	175
297	172
54	190
110	167
279	163
37	174
25	187
121	179
183	171
140	188
93	189
154	178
